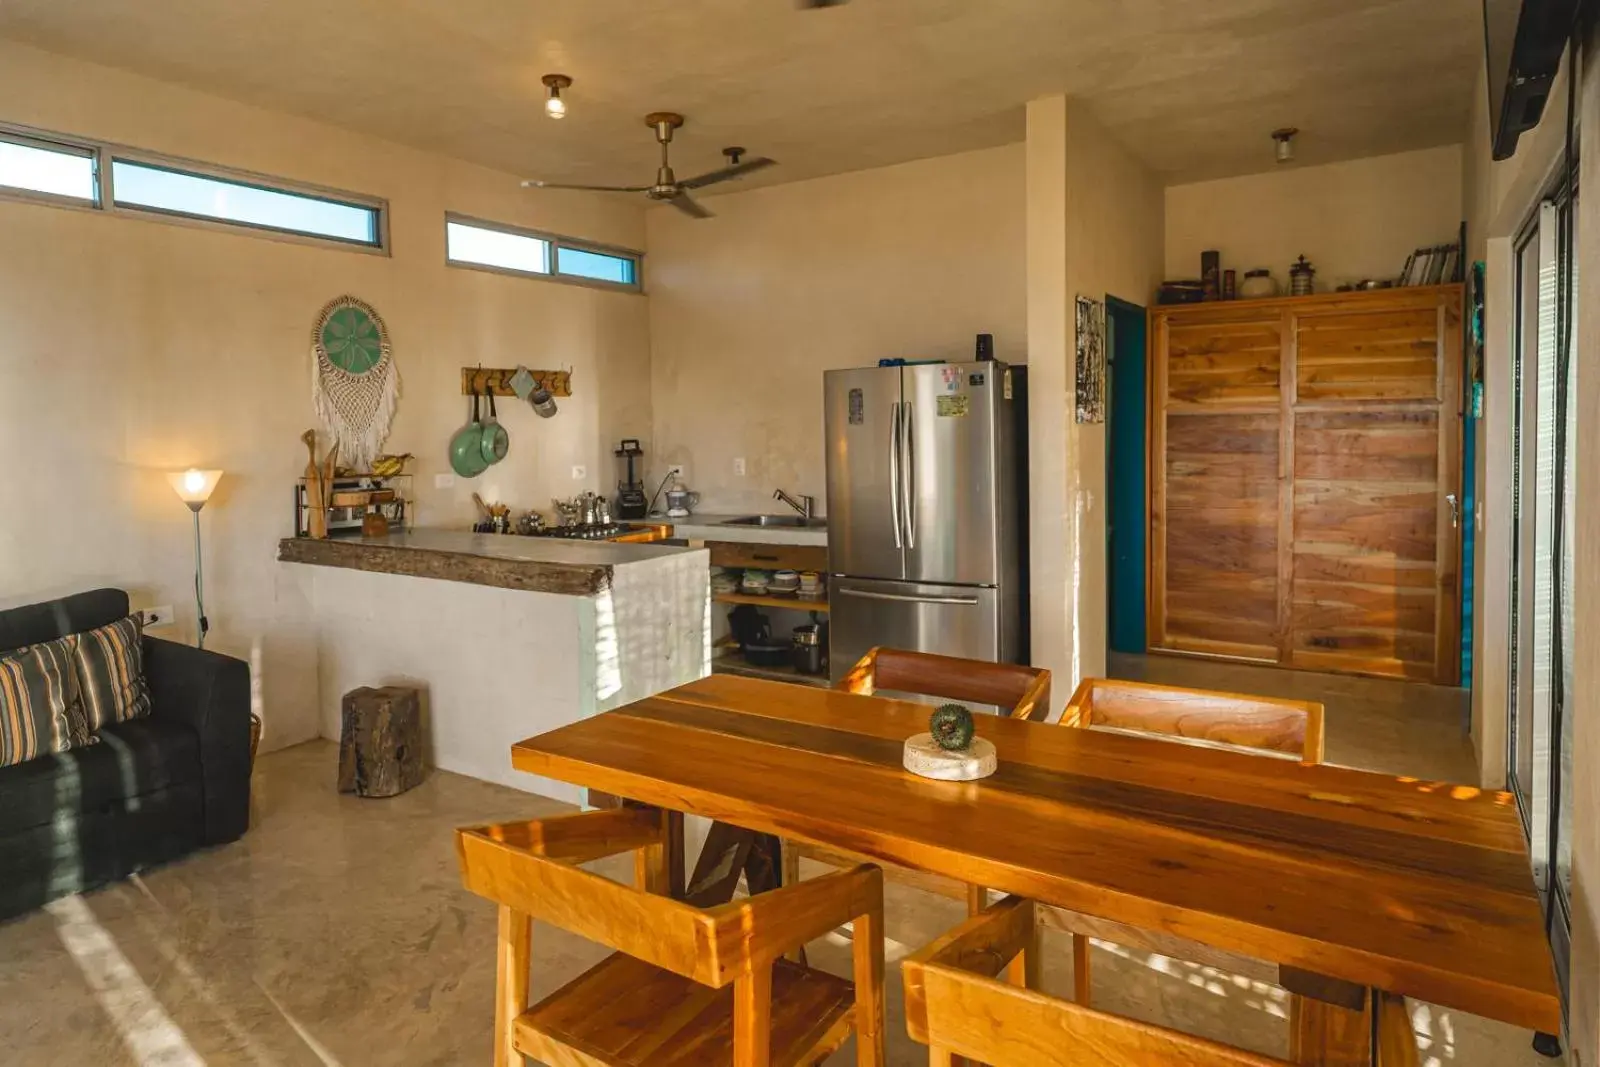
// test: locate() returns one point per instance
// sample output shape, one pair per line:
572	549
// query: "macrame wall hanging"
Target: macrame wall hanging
354	381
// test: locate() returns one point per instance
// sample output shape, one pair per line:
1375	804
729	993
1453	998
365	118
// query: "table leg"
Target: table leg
1326	1035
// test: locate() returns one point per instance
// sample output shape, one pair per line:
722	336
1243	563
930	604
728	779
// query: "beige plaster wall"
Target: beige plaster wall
1584	987
1352	220
1499	197
1095	225
134	347
749	308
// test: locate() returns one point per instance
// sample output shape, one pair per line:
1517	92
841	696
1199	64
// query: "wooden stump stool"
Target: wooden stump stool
380	742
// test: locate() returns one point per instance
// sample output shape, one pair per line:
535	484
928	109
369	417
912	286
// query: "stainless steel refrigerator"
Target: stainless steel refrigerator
924	524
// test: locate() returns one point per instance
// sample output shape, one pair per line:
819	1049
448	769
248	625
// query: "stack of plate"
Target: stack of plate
723	581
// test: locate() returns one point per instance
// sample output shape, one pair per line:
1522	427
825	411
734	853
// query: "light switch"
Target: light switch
738	466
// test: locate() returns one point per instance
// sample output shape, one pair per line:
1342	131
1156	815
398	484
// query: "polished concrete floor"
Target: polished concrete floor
336	934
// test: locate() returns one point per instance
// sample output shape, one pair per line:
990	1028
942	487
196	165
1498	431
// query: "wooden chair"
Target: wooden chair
1024	690
956	1007
1267	725
664	997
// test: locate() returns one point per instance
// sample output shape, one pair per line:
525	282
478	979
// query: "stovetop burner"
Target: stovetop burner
596	531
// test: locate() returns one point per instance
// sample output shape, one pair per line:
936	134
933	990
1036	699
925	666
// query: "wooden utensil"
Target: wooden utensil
328	466
316	510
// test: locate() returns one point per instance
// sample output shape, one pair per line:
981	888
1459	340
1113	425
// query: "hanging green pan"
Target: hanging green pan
466	447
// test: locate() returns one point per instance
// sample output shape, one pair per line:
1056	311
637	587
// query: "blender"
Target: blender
631	501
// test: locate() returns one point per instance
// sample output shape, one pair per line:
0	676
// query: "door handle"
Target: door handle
909	481
894	470
1455	510
866	594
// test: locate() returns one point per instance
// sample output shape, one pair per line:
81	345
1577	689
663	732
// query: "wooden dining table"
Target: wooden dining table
1349	881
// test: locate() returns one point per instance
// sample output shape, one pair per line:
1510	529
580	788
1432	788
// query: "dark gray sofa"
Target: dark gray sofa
152	790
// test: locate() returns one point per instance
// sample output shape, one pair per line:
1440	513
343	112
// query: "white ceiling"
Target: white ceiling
1192	87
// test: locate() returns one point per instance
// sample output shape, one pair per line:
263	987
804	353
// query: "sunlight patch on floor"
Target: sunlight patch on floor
151	1037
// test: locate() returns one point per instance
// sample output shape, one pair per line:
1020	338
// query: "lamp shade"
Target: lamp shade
194	487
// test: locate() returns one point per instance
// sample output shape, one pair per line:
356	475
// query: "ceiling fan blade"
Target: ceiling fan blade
738	170
531	184
689	206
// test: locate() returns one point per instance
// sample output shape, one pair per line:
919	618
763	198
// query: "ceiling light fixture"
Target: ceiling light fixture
1285	140
556	107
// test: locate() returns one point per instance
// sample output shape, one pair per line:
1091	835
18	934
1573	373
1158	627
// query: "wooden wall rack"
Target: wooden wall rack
496	381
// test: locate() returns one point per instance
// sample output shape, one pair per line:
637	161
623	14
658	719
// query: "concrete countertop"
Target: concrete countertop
535	564
707	526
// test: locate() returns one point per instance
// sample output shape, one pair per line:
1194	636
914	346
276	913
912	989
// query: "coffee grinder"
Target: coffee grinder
631	501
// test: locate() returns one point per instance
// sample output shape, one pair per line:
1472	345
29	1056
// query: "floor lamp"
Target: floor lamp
194	487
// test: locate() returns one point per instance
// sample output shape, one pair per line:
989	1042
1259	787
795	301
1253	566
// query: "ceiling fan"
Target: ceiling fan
667	187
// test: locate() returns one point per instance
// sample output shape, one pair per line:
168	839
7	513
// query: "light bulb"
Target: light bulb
194	487
554	106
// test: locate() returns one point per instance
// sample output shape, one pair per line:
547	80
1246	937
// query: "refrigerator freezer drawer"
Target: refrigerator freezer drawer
950	620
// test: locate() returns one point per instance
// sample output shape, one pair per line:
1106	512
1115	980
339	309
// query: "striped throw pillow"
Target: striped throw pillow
40	707
111	673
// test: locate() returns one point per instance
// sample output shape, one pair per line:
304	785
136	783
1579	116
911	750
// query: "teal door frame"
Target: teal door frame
1127	470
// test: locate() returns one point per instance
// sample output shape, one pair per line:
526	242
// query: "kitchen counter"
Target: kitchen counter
706	526
534	564
506	636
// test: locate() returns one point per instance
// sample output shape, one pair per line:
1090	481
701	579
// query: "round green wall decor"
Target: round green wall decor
355	383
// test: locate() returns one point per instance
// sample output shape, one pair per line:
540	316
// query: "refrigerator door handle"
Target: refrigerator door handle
894	470
867	594
908	457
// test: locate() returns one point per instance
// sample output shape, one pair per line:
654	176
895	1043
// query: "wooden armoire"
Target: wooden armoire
1305	470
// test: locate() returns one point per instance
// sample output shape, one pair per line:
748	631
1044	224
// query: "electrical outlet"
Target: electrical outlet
161	615
738	466
580	473
679	470
444	481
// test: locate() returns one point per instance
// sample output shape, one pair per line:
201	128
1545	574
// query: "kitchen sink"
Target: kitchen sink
791	521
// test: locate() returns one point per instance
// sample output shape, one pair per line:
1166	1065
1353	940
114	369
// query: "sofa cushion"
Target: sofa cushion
41	711
111	673
131	759
33	624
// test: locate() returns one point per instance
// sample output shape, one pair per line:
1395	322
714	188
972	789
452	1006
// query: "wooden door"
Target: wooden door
1215	490
1304	454
1375	554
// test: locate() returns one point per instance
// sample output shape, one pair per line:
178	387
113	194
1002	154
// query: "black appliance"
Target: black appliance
631	501
1524	40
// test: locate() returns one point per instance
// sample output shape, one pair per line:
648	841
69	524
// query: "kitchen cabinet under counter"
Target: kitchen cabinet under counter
506	636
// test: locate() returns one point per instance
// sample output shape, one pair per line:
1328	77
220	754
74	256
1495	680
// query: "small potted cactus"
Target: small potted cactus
950	751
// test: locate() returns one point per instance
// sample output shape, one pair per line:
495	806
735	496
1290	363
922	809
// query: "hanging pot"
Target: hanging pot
495	441
466	447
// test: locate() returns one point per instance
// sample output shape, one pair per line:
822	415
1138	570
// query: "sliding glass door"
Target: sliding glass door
1542	545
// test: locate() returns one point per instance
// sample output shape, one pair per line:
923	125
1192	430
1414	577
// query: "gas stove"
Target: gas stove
594	531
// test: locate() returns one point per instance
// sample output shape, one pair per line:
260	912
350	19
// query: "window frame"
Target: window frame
1539	801
29	138
106	152
555	242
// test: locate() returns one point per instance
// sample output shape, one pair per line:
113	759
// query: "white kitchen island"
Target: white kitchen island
505	636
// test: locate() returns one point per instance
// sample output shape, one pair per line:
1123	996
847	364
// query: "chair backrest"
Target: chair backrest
1271	724
955	1006
1025	691
528	866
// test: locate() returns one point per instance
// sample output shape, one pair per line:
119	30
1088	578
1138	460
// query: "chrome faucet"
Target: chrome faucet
804	505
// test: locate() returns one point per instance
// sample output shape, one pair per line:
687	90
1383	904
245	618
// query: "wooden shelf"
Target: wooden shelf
789	602
732	662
